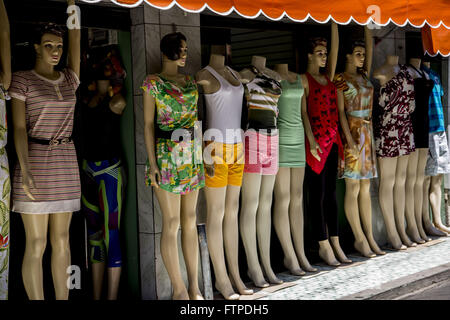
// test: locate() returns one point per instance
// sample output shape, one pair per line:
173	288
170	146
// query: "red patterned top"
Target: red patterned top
324	120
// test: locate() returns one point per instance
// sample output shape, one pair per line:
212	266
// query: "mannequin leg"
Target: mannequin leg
264	225
36	226
113	282
296	217
189	241
251	185
435	201
231	238
170	204
430	229
399	203
411	177
352	190
418	193
98	272
215	201
365	212
281	220
388	168
59	240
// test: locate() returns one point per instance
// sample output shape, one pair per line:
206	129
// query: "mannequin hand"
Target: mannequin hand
5	80
155	176
28	184
315	149
209	168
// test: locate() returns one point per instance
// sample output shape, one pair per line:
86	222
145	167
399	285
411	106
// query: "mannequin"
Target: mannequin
288	212
261	166
438	162
223	94
176	185
102	178
355	99
393	153
323	146
5	80
418	159
47	157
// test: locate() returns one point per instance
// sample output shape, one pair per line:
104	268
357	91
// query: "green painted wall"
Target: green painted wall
130	281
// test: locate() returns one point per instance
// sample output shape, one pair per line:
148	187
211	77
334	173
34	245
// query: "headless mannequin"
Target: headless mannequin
432	193
222	205
414	181
5	48
392	176
255	220
288	213
328	252
357	203
37	225
175	208
117	105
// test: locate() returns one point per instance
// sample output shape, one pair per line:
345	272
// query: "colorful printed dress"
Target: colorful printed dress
180	163
358	100
5	189
395	136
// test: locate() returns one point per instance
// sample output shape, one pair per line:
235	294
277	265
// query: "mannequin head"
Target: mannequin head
174	48
103	86
356	54
48	44
317	52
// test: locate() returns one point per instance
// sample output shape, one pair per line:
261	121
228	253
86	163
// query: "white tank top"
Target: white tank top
224	110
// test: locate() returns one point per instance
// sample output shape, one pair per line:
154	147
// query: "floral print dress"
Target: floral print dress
5	190
180	163
395	136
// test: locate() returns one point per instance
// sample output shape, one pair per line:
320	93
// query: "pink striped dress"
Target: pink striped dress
50	106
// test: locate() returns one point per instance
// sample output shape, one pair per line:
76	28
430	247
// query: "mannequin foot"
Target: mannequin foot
180	295
326	253
273	278
443	228
423	235
195	294
406	241
364	248
304	263
340	255
375	248
414	235
240	286
226	290
396	243
293	267
257	279
432	231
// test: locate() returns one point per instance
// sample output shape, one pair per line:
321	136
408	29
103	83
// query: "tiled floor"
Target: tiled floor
362	274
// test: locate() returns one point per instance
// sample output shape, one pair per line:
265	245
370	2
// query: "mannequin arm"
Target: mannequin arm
369	50
344	123
149	136
5	48
314	147
21	144
74	54
332	60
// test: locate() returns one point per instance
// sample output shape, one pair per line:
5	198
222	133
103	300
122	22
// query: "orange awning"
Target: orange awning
400	12
436	40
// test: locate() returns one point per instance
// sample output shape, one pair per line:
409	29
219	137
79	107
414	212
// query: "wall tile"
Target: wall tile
137	15
178	17
138	52
147	261
141	151
151	15
145	202
153	53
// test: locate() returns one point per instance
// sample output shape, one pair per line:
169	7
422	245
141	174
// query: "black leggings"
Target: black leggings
321	200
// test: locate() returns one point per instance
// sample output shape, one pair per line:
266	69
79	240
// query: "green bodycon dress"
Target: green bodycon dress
290	125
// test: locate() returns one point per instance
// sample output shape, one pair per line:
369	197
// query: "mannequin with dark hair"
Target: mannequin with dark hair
46	188
170	103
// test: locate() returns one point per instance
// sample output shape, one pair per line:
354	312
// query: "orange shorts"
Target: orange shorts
228	162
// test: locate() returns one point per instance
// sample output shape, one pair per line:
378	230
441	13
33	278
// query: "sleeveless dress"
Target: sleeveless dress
50	106
324	120
290	125
358	100
395	136
180	163
5	184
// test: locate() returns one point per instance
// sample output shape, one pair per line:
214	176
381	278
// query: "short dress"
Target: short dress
395	135
180	163
358	100
50	106
290	125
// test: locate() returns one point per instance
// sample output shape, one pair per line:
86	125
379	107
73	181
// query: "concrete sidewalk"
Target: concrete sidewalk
378	278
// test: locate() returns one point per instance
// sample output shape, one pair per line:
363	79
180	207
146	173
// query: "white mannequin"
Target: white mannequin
255	220
392	173
222	204
288	212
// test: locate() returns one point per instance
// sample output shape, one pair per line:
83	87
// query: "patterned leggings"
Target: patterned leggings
102	194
